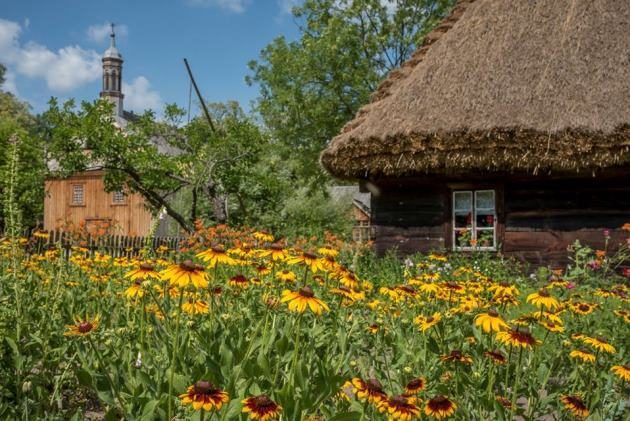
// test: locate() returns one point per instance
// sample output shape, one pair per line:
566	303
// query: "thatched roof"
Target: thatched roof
501	85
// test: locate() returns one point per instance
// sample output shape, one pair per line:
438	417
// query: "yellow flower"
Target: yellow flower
586	357
185	273
440	407
399	408
263	236
575	404
517	337
215	255
261	408
286	276
582	308
194	305
327	251
299	300
622	371
599	344
204	395
307	259
135	290
144	270
426	323
542	298
82	327
370	390
490	322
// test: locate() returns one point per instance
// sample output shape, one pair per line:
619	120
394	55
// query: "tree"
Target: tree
19	129
311	87
188	170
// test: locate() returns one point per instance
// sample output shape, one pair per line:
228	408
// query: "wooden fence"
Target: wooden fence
113	245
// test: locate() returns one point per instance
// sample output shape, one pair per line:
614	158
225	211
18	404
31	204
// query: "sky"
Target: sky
54	48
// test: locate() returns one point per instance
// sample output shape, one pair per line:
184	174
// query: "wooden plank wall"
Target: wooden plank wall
132	218
409	218
544	217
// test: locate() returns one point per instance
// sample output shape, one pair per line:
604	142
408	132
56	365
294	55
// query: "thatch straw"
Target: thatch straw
501	86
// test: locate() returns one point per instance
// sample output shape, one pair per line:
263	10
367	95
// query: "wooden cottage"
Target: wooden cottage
80	201
508	129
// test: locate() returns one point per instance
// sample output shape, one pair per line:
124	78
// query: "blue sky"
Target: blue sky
53	48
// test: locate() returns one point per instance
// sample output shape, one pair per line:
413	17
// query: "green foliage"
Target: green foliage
310	87
18	126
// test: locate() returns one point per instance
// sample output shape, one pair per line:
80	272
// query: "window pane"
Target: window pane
462	201
485	238
485	219
463	237
77	194
119	197
463	219
484	199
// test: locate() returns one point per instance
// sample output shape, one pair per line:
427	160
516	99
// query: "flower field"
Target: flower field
239	325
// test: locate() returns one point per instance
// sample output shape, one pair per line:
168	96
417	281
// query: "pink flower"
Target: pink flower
570	285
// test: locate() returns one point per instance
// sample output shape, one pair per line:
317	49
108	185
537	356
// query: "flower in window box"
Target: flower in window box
490	219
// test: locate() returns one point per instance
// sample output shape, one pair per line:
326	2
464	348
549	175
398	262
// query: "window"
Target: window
474	220
118	197
78	195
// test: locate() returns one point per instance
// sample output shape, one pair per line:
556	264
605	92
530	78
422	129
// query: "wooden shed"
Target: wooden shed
508	129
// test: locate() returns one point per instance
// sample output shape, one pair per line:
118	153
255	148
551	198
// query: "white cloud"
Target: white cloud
390	5
235	6
9	83
139	96
100	32
63	70
286	6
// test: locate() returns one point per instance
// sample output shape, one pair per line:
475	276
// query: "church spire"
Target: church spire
112	75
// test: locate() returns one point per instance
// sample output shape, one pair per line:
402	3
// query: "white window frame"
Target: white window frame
77	190
119	198
474	229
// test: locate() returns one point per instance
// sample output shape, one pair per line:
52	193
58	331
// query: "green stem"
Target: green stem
106	374
516	383
174	354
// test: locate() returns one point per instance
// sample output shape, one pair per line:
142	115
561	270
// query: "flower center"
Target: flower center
414	384
493	313
543	293
440	399
374	385
307	292
398	400
218	249
147	266
430	319
584	307
408	289
190	266
276	247
309	256
203	387
263	400
85	327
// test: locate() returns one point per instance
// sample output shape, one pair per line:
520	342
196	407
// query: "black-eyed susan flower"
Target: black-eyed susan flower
543	298
276	252
135	290
215	255
552	326
440	407
503	401
370	390
426	323
261	408
349	295
517	337
496	356
262	269
456	356
307	259
195	305
144	270
502	289
239	281
415	386
286	276
82	327
374	328
582	308
328	251
298	301
625	315
599	343
580	354
621	371
204	395
348	279
575	404
491	321
453	287
429	288
263	236
186	273
399	408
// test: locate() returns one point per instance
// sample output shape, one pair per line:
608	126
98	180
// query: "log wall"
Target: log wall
537	217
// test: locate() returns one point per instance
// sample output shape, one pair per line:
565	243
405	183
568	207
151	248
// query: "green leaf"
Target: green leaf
346	416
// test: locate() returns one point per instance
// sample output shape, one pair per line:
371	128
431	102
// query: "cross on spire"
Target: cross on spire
112	35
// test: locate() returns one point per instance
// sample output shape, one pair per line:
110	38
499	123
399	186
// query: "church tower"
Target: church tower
112	76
